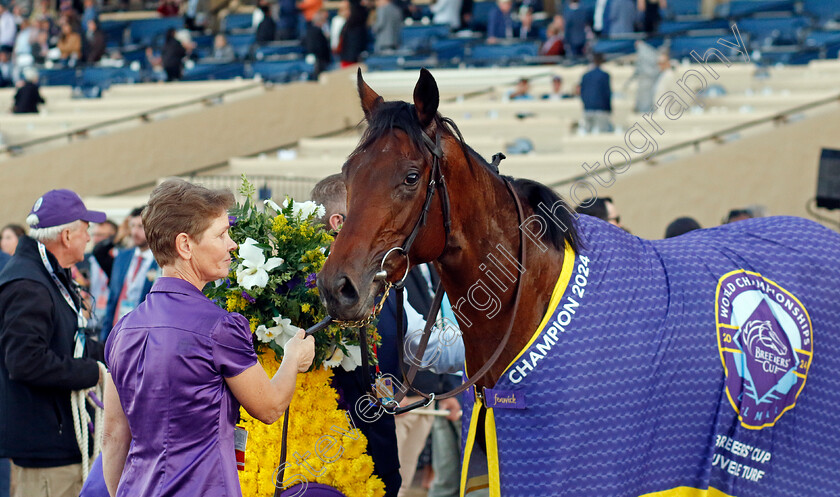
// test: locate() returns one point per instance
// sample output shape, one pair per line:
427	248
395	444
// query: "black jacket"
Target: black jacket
37	369
315	42
27	99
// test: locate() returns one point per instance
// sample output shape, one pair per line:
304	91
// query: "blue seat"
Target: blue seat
822	38
516	53
210	71
824	10
241	44
617	46
384	62
420	37
114	32
238	22
670	27
203	41
104	77
277	49
147	31
741	8
450	50
58	77
684	7
283	71
683	45
776	30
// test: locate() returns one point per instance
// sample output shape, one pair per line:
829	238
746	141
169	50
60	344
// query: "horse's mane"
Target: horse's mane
389	116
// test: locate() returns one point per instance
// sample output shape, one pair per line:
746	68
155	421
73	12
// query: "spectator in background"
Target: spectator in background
574	36
600	18
553	44
680	226
388	27
222	51
499	22
556	92
522	90
94	42
651	14
596	95
9	236
602	208
666	80
91	13
308	8
738	215
172	56
267	28
622	16
168	8
527	31
28	96
288	25
69	44
132	276
353	38
8	29
466	13
7	70
39	306
24	42
645	73
447	12
315	43
337	24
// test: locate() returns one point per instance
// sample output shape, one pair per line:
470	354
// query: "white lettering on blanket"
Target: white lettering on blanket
562	319
740	449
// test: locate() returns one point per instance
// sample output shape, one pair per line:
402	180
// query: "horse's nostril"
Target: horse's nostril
347	291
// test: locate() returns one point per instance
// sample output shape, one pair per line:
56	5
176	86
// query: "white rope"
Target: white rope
82	421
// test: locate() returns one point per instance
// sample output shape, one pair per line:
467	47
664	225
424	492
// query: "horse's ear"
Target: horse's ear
370	99
426	98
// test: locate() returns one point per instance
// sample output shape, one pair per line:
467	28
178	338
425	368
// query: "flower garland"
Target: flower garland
314	411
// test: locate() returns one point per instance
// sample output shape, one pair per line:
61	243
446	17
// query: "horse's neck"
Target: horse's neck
480	273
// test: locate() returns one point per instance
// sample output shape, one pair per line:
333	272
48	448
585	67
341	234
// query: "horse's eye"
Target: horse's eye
412	178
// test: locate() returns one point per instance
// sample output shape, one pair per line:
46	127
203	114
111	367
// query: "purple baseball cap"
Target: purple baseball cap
57	207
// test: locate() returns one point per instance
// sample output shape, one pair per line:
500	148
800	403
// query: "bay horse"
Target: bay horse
634	367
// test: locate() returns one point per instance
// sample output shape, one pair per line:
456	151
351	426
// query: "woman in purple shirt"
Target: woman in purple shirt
181	366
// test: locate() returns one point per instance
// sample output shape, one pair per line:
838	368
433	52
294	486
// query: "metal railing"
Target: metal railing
716	137
145	116
268	186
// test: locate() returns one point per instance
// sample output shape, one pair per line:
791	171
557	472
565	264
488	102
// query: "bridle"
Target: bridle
436	182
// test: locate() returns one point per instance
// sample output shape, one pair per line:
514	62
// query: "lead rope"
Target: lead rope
83	425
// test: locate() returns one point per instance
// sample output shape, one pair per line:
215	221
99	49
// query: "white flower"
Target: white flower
305	209
280	333
255	268
272	204
353	358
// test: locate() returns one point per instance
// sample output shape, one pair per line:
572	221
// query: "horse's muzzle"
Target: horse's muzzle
342	299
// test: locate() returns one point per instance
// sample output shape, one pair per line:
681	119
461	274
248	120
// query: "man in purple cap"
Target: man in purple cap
41	323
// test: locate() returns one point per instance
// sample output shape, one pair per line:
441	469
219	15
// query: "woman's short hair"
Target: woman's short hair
177	206
16	229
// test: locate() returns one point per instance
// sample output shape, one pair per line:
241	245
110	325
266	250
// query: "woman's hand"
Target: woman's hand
301	350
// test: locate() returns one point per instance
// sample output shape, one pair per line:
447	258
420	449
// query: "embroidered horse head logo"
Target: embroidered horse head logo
758	332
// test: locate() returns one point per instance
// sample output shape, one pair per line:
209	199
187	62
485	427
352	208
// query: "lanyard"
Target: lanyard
82	322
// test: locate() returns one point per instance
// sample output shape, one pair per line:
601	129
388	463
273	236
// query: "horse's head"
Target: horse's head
387	179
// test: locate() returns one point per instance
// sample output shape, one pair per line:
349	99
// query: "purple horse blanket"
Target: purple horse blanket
702	365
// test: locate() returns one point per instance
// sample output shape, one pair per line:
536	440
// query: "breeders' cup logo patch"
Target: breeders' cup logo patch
766	345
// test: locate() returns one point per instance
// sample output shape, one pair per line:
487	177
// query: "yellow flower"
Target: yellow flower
305	307
313	412
254	322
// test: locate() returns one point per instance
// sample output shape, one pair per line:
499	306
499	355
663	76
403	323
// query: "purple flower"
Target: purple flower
232	220
247	297
312	280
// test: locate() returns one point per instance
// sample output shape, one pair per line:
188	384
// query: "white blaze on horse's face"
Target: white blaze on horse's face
386	179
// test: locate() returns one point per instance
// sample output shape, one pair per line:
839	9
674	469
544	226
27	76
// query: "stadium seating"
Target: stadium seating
151	31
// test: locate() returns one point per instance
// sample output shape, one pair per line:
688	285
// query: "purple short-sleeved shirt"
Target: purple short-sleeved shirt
169	359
